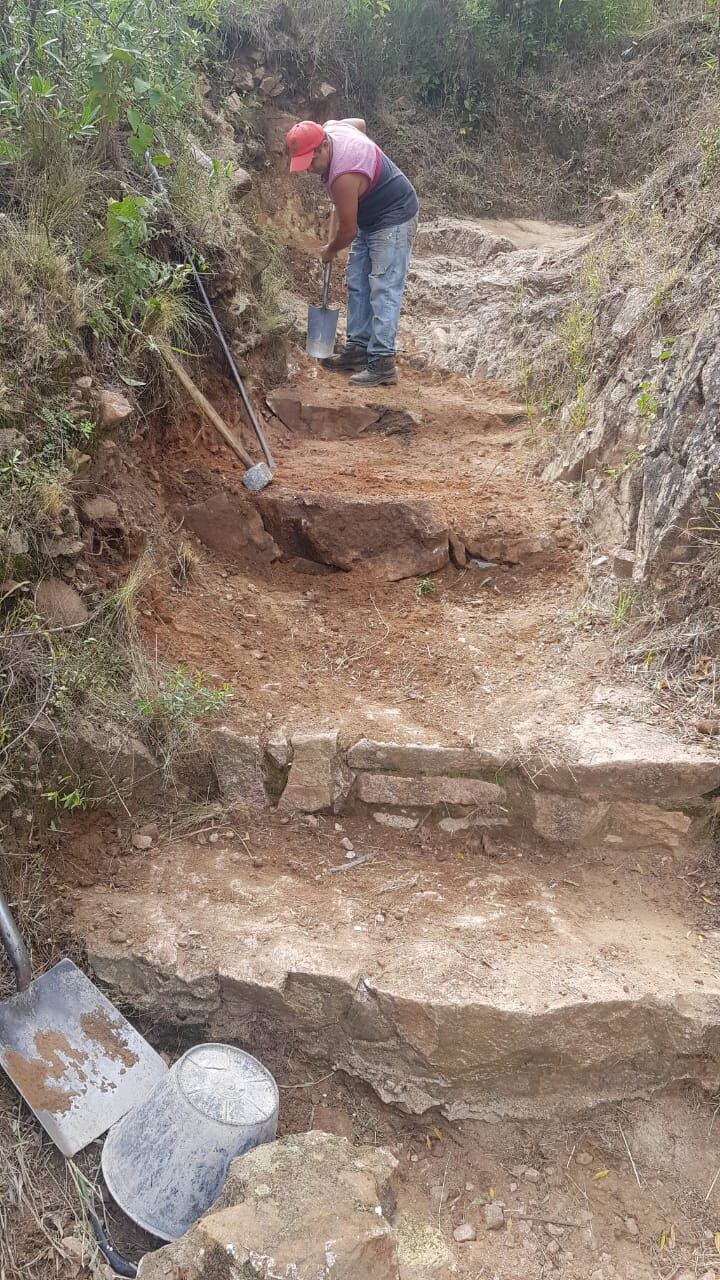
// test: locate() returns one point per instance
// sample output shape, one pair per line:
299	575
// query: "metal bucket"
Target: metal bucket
322	324
165	1162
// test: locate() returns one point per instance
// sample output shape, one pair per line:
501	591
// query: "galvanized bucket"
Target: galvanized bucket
322	324
166	1161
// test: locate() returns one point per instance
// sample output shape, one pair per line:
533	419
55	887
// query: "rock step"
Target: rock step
388	539
325	415
597	783
488	987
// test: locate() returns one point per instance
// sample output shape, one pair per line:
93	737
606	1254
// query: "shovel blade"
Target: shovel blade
321	330
77	1062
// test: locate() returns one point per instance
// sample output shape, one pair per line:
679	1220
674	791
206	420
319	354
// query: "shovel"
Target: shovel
77	1062
322	323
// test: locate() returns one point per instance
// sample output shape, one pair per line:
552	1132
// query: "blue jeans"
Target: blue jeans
376	272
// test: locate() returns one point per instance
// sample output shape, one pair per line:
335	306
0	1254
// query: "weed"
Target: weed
711	516
623	607
425	587
647	401
186	563
578	409
574	334
182	696
627	464
710	154
595	274
67	796
171	710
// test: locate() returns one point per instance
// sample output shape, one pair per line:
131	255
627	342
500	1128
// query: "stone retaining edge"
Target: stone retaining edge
662	799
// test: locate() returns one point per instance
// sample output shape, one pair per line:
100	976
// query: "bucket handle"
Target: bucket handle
326	283
14	947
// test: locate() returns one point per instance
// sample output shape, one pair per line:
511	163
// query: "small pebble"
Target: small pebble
554	1230
202	839
552	1248
142	842
513	1186
347	843
532	1175
465	1233
350	854
583	1158
214	837
257	862
631	1227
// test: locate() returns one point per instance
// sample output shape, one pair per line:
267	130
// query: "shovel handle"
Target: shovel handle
14	947
327	269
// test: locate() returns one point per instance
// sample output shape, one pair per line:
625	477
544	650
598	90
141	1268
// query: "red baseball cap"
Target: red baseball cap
302	141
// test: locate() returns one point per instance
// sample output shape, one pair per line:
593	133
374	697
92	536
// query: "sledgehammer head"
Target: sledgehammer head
258	477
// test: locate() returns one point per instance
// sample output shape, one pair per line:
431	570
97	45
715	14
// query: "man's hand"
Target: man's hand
328	253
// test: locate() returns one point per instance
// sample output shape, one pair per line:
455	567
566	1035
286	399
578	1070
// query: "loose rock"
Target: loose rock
113	408
281	1205
464	1233
59	603
494	1215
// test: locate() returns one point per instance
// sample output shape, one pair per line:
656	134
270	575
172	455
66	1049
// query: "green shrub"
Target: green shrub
89	70
452	50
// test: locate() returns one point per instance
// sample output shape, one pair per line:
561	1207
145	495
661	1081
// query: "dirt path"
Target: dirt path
408	576
448	654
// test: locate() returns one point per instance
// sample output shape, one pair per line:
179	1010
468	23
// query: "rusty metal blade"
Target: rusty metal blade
77	1062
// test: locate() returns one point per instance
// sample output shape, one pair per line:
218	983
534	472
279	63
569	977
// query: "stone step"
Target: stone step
332	412
387	539
594	782
488	986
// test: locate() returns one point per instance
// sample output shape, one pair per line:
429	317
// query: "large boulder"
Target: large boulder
229	524
307	1206
391	540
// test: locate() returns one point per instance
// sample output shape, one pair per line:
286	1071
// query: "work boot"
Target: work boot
351	357
380	372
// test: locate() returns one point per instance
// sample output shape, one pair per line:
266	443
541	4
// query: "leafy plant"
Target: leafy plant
425	587
67	796
626	465
647	401
183	696
72	71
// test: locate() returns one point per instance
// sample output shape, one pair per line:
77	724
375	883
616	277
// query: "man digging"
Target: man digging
376	213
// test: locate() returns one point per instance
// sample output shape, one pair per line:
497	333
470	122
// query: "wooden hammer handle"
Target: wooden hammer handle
204	405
